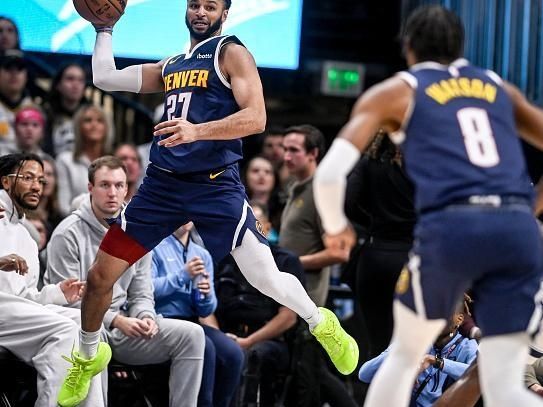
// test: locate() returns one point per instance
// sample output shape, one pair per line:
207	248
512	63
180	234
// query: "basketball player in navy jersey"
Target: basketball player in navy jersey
473	196
213	97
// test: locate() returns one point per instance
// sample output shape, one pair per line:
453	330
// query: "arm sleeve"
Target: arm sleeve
104	72
330	182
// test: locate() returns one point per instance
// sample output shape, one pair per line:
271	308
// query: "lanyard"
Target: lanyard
431	374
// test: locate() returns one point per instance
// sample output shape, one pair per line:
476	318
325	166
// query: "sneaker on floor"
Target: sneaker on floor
76	385
340	346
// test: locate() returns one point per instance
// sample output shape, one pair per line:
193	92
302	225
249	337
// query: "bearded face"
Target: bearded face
204	18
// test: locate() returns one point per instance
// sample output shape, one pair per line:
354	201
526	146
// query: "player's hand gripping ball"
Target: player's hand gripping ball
100	12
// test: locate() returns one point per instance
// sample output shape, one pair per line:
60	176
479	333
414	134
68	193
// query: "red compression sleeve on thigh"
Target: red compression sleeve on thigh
118	244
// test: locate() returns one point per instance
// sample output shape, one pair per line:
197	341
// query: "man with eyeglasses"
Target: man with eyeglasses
36	334
22	179
13	81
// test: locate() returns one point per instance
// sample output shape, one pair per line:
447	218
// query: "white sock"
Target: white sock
88	343
256	262
314	320
413	336
502	360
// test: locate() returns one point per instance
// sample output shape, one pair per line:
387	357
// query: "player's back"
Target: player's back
195	89
461	140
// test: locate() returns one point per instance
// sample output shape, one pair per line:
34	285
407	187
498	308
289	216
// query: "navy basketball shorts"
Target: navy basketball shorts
497	252
215	201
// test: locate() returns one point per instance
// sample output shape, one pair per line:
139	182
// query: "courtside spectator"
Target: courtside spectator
183	282
136	334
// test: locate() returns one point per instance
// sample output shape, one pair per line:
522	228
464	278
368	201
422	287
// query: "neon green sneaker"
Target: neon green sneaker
76	385
340	346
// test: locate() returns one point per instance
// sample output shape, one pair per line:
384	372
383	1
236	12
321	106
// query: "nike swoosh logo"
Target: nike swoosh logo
174	60
213	176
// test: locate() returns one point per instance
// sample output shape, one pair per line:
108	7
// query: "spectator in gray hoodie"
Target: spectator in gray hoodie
135	333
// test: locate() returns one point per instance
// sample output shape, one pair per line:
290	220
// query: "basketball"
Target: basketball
102	12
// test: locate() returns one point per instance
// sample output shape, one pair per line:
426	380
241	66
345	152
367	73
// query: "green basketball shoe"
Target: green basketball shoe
76	385
339	345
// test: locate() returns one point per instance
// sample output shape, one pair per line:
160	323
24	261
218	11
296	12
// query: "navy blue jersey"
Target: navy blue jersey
197	91
461	139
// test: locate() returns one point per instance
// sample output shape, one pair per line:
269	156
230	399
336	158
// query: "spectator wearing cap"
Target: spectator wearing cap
9	34
13	81
29	129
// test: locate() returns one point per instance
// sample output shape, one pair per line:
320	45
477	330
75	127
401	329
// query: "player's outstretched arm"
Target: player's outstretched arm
145	78
239	67
528	117
382	106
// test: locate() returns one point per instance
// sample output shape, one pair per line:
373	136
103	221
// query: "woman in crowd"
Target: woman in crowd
261	186
92	140
66	97
9	34
49	206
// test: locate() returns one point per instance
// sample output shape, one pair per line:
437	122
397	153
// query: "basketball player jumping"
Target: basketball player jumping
213	97
473	197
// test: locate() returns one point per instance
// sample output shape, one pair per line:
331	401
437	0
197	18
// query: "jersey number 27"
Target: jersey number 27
178	99
478	136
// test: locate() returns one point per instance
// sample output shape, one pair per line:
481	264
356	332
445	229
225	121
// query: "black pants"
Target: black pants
265	361
379	265
314	382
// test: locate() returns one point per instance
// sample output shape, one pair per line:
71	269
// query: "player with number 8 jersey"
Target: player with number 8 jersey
472	125
459	126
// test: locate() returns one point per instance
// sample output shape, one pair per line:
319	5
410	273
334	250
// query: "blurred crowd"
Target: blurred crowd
62	153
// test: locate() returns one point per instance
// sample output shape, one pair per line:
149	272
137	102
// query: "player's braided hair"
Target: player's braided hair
12	163
434	33
227	3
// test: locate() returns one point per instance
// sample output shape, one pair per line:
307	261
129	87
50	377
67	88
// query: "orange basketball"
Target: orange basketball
102	12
